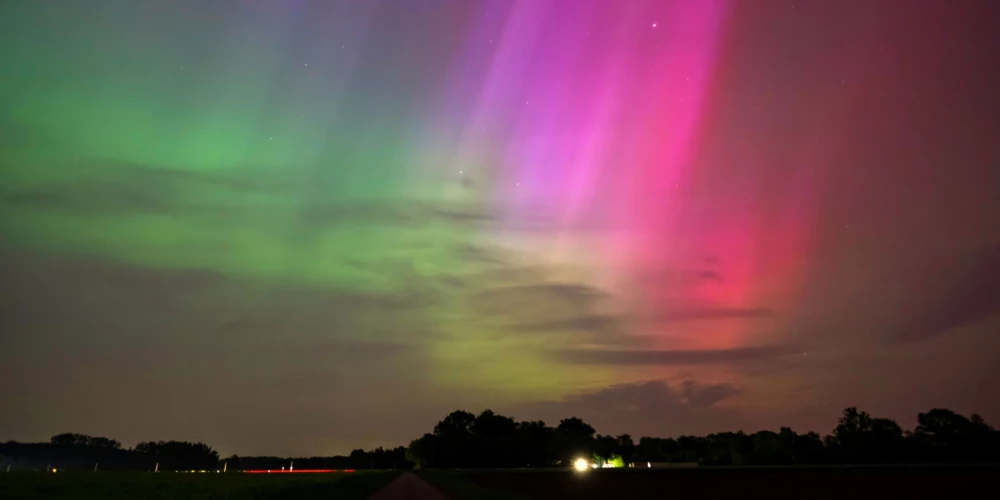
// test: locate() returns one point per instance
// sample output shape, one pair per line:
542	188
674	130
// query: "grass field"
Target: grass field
170	486
840	483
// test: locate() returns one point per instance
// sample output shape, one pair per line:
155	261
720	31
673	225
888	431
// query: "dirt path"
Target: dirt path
408	487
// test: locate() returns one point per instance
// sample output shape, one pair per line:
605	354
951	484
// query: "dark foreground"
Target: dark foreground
840	483
408	487
171	486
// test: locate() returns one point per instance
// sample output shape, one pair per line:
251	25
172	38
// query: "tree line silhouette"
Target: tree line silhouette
83	452
393	458
465	440
80	452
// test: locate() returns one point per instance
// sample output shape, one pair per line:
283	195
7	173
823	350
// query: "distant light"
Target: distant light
580	464
649	465
654	25
297	471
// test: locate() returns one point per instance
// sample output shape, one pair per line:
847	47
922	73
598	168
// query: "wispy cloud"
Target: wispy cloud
672	358
653	408
709	313
479	254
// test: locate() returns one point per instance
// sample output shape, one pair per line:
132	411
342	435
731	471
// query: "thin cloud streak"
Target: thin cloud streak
672	358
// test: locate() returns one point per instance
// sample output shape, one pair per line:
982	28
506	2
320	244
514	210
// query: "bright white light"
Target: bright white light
648	465
580	464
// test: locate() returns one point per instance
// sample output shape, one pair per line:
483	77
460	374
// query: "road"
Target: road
408	487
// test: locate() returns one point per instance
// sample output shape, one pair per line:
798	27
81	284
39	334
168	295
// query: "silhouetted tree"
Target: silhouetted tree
175	455
949	436
68	439
71	439
491	440
535	444
626	448
421	451
494	441
575	438
941	427
455	446
456	423
806	448
848	440
463	439
180	455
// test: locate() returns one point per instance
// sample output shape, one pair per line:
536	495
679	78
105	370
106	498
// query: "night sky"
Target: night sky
300	227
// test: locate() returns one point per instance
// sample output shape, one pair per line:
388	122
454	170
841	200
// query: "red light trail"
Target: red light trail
300	471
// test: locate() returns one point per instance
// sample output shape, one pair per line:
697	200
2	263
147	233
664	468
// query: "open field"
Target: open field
839	483
885	482
209	486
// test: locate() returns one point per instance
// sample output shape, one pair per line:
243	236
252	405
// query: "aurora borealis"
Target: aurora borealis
342	219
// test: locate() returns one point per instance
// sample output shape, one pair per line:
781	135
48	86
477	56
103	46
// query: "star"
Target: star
654	25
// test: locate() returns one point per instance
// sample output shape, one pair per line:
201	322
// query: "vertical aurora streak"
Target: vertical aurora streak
563	136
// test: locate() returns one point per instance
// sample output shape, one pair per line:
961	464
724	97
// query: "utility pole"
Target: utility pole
224	465
95	466
157	468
